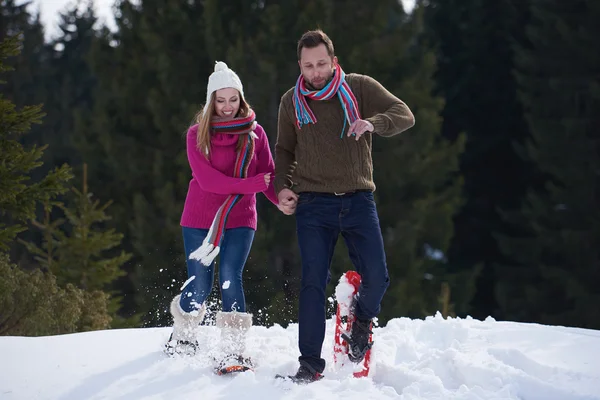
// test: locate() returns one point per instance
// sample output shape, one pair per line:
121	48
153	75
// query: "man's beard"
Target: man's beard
319	85
322	83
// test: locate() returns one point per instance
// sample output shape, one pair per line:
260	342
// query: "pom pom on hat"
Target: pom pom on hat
220	66
222	78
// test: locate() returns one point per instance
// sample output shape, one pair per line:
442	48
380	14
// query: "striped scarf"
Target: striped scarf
337	85
211	245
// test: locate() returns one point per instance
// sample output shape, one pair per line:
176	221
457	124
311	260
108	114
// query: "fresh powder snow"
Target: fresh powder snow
434	358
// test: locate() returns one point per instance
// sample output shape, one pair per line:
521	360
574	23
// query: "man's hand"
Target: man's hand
359	127
267	179
287	201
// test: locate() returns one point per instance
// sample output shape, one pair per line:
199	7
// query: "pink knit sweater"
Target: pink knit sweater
212	181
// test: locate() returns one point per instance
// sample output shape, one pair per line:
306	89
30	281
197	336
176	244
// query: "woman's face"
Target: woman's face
227	102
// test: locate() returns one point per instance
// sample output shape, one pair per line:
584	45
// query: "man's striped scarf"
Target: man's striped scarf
211	245
337	86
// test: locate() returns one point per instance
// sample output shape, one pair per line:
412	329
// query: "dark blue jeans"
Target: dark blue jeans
320	218
232	258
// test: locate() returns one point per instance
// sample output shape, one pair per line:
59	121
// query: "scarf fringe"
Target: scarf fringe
206	253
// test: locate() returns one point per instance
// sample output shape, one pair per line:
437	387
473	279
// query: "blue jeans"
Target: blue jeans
320	218
232	258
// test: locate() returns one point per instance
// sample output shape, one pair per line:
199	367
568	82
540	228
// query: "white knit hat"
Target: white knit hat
222	78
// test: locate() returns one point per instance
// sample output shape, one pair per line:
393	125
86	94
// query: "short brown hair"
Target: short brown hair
314	38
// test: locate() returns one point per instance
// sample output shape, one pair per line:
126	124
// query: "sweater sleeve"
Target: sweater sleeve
265	163
285	148
388	114
214	181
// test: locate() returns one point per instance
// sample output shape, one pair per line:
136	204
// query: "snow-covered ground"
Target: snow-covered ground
412	359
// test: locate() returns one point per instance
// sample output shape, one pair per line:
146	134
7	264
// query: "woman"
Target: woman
231	161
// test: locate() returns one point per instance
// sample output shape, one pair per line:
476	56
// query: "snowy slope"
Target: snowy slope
413	359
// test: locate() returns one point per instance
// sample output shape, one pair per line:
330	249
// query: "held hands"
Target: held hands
267	179
287	201
359	127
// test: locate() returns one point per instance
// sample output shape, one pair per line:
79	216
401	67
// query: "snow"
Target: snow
344	293
435	358
190	279
434	254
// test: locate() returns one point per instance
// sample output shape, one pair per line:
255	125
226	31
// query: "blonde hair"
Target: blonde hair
204	119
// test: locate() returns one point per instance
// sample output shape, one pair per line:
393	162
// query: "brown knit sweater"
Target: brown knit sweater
315	158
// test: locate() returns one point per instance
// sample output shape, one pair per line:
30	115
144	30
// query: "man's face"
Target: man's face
316	65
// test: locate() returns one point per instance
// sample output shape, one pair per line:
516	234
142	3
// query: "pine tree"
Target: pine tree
554	263
31	302
78	250
31	83
27	83
475	77
19	195
70	84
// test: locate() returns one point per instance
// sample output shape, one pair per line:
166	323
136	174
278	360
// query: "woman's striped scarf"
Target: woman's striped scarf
211	245
337	85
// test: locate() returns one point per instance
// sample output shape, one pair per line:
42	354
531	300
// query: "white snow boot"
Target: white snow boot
183	338
233	326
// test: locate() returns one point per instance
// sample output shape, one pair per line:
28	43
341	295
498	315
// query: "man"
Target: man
324	174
